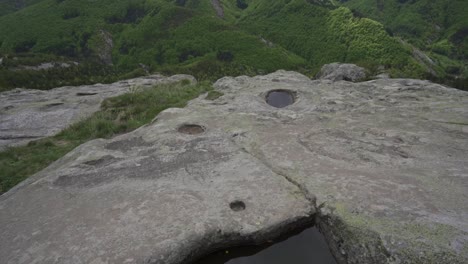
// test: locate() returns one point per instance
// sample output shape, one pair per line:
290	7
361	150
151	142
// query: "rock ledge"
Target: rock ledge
381	165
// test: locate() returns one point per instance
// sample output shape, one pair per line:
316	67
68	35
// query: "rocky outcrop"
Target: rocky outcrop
342	71
27	114
104	47
218	7
45	66
380	165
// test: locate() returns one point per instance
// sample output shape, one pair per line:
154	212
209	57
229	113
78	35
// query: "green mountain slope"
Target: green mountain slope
323	34
422	22
438	27
105	40
184	36
10	6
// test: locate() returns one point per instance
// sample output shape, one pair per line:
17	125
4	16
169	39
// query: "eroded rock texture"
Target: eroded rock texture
381	165
342	71
27	114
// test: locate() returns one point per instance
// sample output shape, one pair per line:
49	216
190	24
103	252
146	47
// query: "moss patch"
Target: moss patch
365	238
213	95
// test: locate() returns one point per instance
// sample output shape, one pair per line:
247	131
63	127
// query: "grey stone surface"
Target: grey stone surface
27	114
218	7
380	165
342	71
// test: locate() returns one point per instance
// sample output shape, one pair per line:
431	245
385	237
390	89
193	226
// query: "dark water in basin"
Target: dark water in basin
280	98
307	247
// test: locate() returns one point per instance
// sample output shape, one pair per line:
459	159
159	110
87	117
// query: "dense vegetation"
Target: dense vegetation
9	6
255	36
117	115
323	35
437	27
158	35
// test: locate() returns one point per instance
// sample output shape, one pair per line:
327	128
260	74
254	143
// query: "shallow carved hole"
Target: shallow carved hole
85	94
280	98
191	129
237	206
54	104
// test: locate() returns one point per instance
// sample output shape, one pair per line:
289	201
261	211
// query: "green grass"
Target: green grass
213	95
118	115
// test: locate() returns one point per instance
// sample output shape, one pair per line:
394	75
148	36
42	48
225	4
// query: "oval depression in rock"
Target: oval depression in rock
191	129
237	206
280	98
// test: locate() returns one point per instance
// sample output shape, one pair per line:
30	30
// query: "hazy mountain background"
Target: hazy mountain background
48	43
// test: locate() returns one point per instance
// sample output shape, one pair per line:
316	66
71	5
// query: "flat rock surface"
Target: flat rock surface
380	164
27	114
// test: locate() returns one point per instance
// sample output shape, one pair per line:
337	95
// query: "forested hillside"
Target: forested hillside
437	27
47	43
10	6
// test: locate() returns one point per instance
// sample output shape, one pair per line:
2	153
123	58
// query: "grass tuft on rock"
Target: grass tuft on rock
213	95
118	115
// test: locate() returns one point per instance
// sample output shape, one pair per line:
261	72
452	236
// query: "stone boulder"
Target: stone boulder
342	71
379	166
27	114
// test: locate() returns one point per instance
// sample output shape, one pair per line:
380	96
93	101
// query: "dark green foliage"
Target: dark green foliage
25	46
325	3
225	56
241	4
10	6
322	35
71	13
460	41
460	36
180	2
133	13
438	26
254	37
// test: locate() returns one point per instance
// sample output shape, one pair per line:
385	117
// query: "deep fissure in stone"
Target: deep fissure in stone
85	94
302	246
280	98
191	129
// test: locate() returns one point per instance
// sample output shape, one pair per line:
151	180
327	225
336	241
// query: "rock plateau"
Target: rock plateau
380	167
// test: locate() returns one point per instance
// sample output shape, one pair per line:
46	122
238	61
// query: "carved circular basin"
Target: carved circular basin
280	98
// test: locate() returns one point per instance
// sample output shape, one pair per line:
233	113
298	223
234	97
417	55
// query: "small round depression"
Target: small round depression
191	129
237	206
280	98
